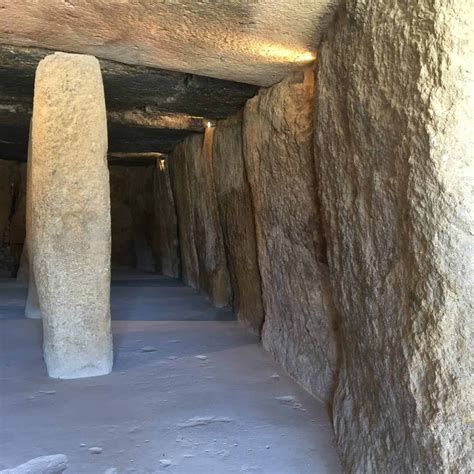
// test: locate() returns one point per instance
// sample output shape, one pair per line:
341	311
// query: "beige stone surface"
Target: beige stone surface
70	215
165	229
214	280
395	116
32	307
299	312
185	214
237	220
142	209
257	42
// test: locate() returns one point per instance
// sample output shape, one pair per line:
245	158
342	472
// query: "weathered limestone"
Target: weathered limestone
214	278
70	215
165	235
238	227
185	214
141	206
395	114
299	312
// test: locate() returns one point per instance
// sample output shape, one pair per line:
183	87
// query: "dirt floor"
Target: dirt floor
191	392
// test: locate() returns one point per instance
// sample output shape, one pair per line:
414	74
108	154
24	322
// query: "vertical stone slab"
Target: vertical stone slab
32	307
214	278
299	311
395	119
70	215
238	226
185	214
141	206
166	243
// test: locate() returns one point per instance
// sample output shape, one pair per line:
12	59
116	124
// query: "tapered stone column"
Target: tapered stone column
70	215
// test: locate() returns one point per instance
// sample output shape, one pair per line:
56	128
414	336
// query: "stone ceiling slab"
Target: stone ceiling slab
252	41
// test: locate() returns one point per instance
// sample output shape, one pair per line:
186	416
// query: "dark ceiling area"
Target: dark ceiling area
149	110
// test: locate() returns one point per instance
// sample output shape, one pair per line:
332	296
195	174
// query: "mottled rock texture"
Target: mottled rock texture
141	205
214	278
299	312
70	215
185	214
395	116
237	220
165	229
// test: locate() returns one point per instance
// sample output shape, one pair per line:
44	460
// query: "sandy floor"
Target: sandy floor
191	392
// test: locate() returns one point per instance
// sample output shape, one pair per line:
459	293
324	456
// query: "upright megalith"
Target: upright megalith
32	308
394	120
70	215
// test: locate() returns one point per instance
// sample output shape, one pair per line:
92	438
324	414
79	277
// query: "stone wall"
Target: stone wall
185	215
237	220
214	278
123	253
165	235
278	154
144	222
251	203
12	214
142	208
395	113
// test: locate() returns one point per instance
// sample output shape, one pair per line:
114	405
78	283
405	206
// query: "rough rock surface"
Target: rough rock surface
142	209
123	253
238	226
70	216
299	313
214	278
395	114
54	464
32	306
256	42
165	235
185	214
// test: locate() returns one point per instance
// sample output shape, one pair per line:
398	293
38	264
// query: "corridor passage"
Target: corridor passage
190	392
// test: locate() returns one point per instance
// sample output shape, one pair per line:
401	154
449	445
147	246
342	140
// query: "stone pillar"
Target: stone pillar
70	215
